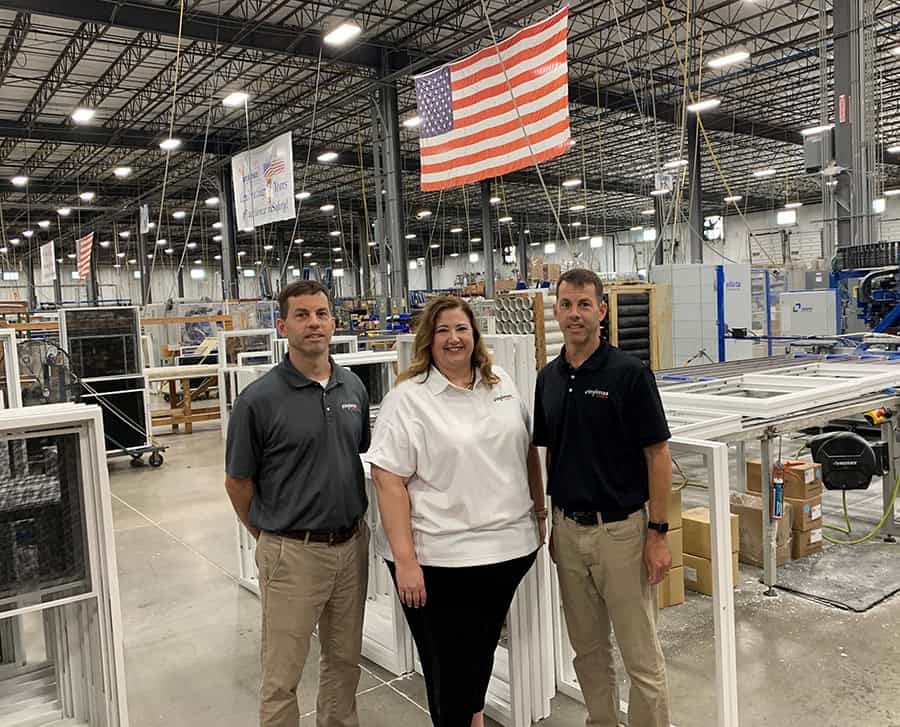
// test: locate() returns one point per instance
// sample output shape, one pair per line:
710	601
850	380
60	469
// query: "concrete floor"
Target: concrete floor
192	634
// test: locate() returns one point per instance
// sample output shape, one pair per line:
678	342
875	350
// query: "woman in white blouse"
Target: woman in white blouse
462	505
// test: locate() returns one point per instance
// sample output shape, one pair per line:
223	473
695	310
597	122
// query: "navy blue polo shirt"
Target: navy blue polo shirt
300	444
595	422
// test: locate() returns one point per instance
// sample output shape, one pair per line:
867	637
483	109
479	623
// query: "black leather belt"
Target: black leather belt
333	537
589	517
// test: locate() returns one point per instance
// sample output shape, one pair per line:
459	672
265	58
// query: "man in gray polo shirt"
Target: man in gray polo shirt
296	481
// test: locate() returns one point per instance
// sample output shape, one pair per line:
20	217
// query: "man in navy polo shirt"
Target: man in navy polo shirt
598	412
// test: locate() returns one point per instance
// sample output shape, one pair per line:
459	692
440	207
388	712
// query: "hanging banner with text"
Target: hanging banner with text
48	263
264	183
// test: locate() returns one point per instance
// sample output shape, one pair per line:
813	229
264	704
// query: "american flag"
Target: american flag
276	166
469	127
85	247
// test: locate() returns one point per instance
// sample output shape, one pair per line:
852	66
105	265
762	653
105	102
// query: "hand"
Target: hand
410	584
254	532
657	557
542	529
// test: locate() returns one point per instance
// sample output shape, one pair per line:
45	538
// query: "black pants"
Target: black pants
457	632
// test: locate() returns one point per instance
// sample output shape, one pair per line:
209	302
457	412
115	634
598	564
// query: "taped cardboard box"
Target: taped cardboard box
675	510
676	547
671	591
806	514
748	509
698	573
806	543
802	480
698	532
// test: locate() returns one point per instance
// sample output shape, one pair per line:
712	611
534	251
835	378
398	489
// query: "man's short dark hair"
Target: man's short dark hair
581	277
300	287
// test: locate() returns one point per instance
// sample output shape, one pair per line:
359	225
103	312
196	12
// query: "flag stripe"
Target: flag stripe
501	88
496	134
527	104
85	247
515	144
486	172
462	82
524	34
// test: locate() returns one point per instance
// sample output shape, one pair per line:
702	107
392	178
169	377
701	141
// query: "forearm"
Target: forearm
240	492
659	470
535	479
393	504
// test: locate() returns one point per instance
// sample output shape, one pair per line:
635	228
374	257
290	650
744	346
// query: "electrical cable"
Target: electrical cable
888	513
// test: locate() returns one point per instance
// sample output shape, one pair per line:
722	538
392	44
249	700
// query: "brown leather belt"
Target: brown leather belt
333	537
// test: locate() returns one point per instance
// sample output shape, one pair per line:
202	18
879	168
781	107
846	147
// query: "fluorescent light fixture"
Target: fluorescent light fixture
198	262
816	129
149	255
335	233
151	225
342	34
339	259
28	233
648	213
410	236
891	150
658	192
793	205
526	232
584	238
15	241
434	246
454	254
122	254
596	242
170	144
335	249
338	272
242	253
675	163
473	257
44	224
217	257
116	266
733	198
82	115
122	172
533	244
505	219
637	228
327	156
304	195
761	173
267	248
786	217
422	214
257	262
475	239
198	274
570	183
162	241
217	238
372	243
105	243
19	181
211	201
307	254
891	192
456	230
729	59
217	225
192	246
233	100
170	251
576	223
576	208
878	205
494	200
179	214
550	248
412	122
704	105
326	208
71	256
413	265
313	264
64	211
248	229
87	196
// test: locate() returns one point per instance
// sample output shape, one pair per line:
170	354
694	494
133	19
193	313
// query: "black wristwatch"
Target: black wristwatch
662	528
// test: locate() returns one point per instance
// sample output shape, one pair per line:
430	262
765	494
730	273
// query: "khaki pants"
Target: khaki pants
302	585
603	582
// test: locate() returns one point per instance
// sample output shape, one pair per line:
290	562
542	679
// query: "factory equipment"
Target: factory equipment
810	313
848	461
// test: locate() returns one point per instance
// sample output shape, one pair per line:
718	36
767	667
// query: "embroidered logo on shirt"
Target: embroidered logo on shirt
597	393
504	397
350	407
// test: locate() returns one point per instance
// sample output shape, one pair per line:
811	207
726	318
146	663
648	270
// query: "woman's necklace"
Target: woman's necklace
469	386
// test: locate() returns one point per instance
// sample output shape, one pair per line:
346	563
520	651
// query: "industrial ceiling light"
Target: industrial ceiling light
342	34
71	256
891	150
86	196
217	225
454	254
326	208
675	163
434	246
648	213
729	59
313	264
233	100
15	241
412	122
533	244
248	229
761	173
28	233
704	105
217	257
793	205
584	238
242	253
211	201
19	181
409	236
64	211
576	208
372	243
217	238
494	200
527	232
896	51
637	228
192	246
44	224
307	254
891	192
298	241
268	248
125	235
473	257
336	249
82	115
596	242
550	248
505	219
179	214
576	223
335	233
162	241
105	243
816	129
422	214
733	198
475	239
327	156
170	144
149	255
151	225
570	183
456	230
304	195
170	251
122	254
198	262
658	192
122	172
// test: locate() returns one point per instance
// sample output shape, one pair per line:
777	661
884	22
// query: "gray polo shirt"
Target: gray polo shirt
300	444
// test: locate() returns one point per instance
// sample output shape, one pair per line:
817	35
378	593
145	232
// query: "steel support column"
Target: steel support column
695	190
180	279
365	271
396	217
230	280
661	230
522	254
487	236
93	285
57	281
429	269
379	230
29	276
146	294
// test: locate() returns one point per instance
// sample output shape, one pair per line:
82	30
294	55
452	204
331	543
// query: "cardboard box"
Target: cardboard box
676	547
802	480
698	573
806	543
552	271
675	510
697	532
806	514
504	285
748	509
671	591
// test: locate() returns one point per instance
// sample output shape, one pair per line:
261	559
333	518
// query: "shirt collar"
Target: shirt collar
299	381
595	362
437	383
